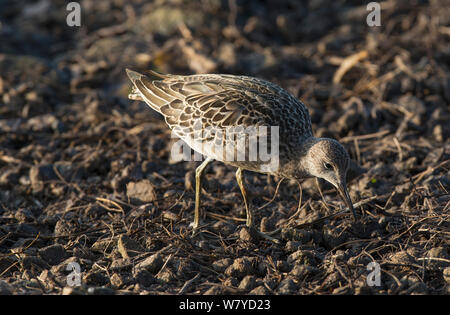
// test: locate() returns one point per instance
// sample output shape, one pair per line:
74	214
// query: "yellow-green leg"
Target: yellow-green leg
198	189
250	222
240	181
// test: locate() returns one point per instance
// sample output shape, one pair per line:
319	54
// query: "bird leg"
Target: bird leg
198	188
250	221
240	181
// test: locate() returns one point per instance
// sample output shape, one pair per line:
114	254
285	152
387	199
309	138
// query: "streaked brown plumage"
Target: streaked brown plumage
222	101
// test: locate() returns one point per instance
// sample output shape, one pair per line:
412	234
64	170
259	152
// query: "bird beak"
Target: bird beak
343	192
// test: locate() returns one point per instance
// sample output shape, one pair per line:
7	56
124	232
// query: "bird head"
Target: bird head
327	159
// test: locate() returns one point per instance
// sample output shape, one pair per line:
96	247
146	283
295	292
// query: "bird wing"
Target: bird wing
209	103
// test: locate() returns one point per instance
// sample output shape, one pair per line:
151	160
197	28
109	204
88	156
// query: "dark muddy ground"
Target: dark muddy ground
86	175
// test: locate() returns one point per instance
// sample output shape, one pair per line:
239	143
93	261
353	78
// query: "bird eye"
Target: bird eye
327	166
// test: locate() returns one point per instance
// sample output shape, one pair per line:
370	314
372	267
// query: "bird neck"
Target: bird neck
298	167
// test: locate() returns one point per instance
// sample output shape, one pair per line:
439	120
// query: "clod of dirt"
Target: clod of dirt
47	279
63	227
300	272
34	263
248	283
144	277
287	286
24	215
185	268
128	247
260	290
152	264
117	280
402	257
240	268
95	278
292	246
53	254
214	290
166	275
283	266
246	235
103	245
222	264
142	191
303	257
120	264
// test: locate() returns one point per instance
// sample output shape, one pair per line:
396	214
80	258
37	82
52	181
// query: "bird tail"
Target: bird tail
135	94
149	91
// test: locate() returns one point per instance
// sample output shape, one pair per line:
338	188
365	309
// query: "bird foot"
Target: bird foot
196	230
198	235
